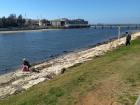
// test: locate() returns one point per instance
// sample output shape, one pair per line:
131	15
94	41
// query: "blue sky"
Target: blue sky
95	11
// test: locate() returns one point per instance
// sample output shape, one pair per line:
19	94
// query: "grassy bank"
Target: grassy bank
112	79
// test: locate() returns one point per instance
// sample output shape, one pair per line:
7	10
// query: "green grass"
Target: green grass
81	79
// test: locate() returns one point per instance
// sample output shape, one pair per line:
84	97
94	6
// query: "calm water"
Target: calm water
37	46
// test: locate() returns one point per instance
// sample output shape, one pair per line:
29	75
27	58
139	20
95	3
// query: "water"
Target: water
37	46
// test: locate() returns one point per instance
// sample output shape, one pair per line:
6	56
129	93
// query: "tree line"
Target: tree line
12	21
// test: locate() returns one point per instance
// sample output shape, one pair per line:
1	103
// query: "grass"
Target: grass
79	80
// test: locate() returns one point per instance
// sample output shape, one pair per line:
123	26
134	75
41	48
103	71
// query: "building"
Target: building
59	22
44	23
31	22
66	23
76	23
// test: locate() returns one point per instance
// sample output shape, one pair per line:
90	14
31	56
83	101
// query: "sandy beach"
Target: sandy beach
18	81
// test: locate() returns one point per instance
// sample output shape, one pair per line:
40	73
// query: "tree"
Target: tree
1	23
12	20
20	21
4	21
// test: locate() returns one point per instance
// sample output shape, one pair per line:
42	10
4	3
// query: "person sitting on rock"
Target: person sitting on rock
26	65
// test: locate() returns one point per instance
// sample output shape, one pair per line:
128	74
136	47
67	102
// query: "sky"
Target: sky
95	11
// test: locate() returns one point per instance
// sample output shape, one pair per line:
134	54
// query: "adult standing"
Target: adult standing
128	39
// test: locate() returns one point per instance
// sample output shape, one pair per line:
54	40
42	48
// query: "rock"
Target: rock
63	70
33	82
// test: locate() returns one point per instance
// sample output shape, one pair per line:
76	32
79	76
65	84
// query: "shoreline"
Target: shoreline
32	30
21	31
18	81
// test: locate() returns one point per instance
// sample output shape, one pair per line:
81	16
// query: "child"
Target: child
26	65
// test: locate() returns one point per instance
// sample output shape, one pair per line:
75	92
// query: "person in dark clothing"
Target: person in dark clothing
128	38
26	65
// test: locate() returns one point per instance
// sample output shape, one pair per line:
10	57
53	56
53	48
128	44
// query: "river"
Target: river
42	45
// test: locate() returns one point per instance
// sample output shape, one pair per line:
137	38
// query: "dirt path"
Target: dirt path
105	93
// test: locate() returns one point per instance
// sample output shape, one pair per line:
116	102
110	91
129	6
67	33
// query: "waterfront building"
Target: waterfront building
67	23
41	23
31	22
76	23
44	23
59	22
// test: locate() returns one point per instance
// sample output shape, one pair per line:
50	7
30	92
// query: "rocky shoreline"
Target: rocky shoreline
18	81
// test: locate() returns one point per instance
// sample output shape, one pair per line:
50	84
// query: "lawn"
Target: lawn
112	79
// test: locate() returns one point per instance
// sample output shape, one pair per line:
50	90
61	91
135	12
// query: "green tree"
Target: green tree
4	21
1	23
12	20
20	21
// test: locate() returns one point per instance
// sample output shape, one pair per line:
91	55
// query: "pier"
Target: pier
128	26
